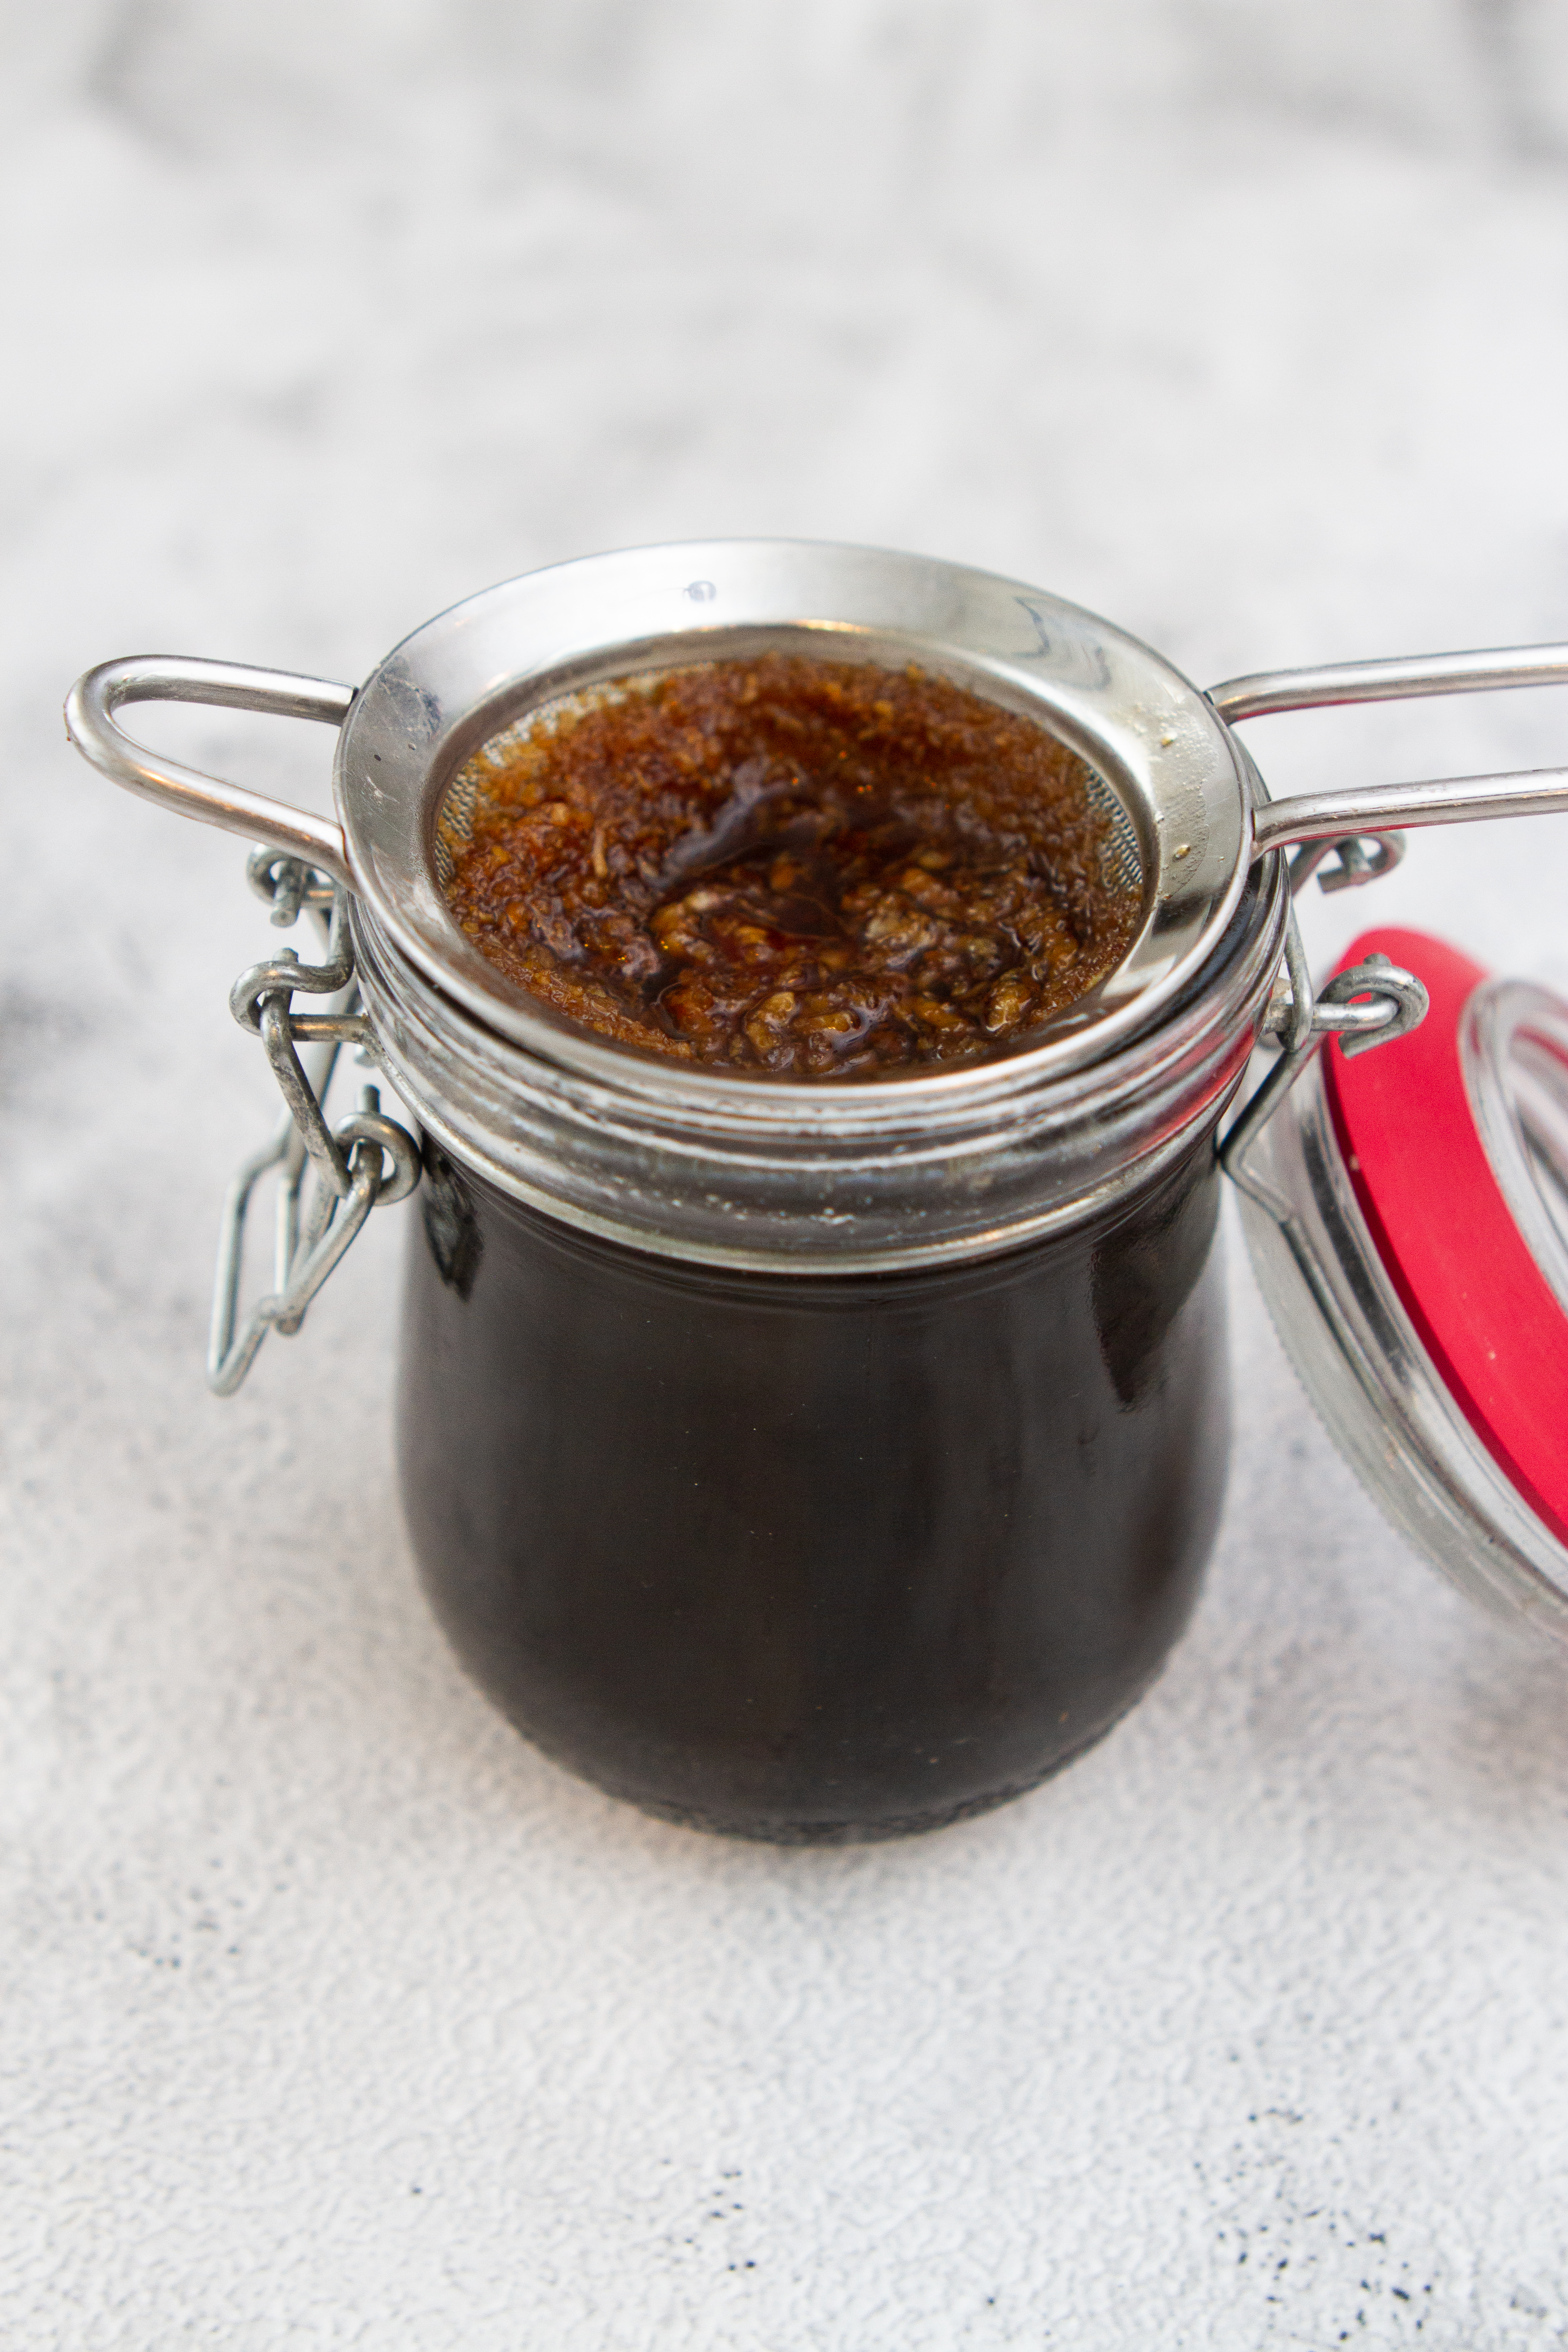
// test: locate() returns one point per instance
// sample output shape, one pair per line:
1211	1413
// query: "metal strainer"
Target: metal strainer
1188	813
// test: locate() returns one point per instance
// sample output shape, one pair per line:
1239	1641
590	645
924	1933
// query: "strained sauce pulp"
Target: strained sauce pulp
821	869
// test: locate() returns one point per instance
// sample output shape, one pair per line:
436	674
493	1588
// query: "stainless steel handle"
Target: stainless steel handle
155	678
1379	808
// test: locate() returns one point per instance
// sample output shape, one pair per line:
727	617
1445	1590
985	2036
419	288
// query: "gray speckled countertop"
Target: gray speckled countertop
333	2015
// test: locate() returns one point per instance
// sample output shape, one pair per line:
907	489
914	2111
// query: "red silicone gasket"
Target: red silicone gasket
1464	1272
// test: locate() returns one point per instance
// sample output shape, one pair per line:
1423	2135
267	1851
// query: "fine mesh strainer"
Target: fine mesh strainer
1187	813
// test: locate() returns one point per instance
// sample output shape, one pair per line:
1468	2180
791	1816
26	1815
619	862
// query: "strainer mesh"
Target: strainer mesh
1123	864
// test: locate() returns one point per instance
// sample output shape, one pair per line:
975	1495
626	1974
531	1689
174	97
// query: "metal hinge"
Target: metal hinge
366	1162
1370	1004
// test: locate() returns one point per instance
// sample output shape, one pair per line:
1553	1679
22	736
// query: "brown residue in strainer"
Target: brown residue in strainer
819	869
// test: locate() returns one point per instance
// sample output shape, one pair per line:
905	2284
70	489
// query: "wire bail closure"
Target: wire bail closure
367	1161
1302	1022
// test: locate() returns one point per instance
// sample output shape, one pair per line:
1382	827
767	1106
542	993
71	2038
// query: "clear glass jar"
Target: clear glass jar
820	1462
837	1555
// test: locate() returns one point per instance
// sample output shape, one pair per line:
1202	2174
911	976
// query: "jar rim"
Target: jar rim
876	1177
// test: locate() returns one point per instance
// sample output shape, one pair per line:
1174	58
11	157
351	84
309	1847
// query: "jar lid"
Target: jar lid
1407	1210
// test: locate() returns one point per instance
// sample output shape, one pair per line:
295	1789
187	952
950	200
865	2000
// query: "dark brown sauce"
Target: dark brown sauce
812	1559
819	869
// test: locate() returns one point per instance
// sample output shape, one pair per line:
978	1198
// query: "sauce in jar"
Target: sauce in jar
813	1560
818	869
796	1558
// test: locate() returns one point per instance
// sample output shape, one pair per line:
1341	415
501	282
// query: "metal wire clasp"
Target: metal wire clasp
1398	1004
366	1162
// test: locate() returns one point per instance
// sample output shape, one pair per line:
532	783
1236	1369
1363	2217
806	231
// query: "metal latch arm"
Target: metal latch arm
1398	1004
366	1162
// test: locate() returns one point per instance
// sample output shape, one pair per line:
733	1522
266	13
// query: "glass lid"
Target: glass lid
1407	1213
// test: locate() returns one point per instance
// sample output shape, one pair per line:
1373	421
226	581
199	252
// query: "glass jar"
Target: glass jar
806	1462
832	1554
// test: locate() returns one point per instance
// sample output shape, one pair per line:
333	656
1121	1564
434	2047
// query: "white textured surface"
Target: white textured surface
333	2016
